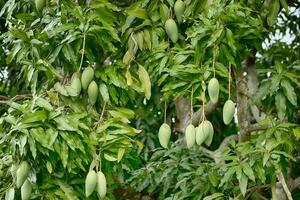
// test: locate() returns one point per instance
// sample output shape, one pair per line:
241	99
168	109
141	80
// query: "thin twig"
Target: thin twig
83	50
192	111
229	80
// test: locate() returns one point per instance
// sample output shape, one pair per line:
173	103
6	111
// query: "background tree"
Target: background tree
62	133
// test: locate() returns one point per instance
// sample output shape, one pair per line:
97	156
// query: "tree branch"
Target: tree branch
295	183
257	127
284	185
183	113
15	98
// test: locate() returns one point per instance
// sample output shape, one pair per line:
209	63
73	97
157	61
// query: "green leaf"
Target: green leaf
214	196
273	12
230	40
19	34
43	103
137	12
243	182
248	171
289	91
104	92
145	81
121	152
214	37
36	116
285	5
280	103
110	158
64	124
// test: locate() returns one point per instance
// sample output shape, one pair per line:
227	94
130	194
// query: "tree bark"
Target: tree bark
242	102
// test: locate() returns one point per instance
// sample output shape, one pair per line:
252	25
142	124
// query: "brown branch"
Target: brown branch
295	183
284	185
256	127
183	113
15	98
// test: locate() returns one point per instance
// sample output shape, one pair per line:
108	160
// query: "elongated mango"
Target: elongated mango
90	183
26	190
213	90
22	173
172	30
190	136
87	77
202	133
179	10
210	134
164	135
93	92
101	185
228	111
40	4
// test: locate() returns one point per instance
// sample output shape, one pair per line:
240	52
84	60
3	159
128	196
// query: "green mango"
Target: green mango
26	190
90	183
87	77
228	111
210	134
22	173
179	10
202	132
213	90
172	30
101	185
93	92
164	135
190	135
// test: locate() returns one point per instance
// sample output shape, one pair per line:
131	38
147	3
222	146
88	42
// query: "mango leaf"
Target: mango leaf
285	5
43	103
273	12
145	81
137	12
36	116
248	171
243	182
121	152
280	103
104	92
110	158
214	196
289	91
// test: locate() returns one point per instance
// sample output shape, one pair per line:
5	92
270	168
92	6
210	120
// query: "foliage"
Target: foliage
139	69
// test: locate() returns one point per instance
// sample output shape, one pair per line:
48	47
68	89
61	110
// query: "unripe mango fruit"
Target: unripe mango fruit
202	132
40	4
228	111
213	90
101	185
164	135
87	77
210	134
90	183
179	10
190	135
93	92
26	190
22	173
172	30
